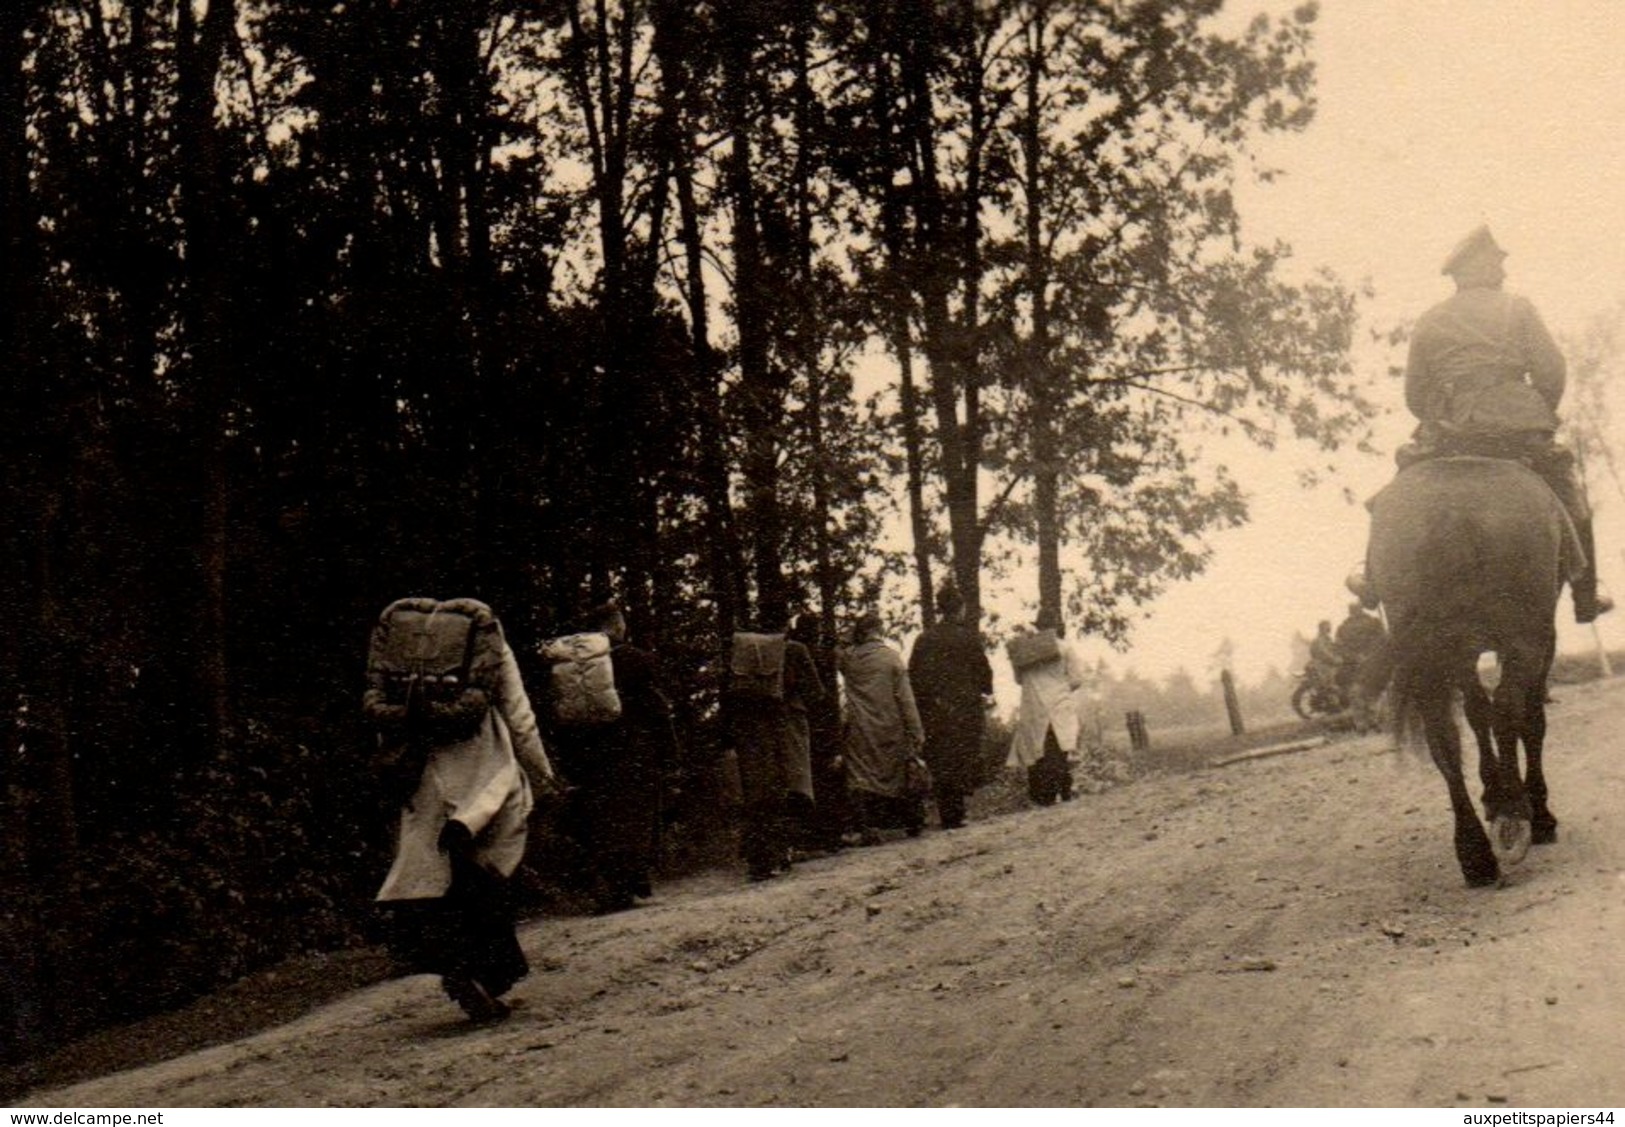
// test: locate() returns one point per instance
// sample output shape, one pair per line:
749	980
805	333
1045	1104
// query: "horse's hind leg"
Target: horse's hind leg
1473	851
1479	711
1543	825
1506	800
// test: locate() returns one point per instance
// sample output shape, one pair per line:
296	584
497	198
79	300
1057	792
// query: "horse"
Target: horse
1467	556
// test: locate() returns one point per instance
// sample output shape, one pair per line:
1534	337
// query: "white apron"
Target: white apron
1048	700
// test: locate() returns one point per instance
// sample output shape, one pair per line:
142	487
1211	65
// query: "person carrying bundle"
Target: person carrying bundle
459	749
1047	724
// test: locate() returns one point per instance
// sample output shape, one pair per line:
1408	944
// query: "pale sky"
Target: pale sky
1432	118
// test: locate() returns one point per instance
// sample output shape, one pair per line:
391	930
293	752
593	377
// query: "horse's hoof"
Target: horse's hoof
1543	831
1510	838
1477	860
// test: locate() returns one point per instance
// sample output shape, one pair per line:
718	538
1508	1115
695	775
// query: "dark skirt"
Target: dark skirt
1051	777
614	809
764	832
467	933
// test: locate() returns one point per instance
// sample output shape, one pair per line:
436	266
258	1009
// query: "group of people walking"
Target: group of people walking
850	741
462	747
834	746
818	772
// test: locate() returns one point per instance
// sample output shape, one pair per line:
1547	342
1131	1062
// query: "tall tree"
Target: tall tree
205	196
741	30
687	68
921	121
600	59
20	938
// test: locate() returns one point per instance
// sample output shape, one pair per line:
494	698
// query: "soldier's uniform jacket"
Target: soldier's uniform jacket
1482	363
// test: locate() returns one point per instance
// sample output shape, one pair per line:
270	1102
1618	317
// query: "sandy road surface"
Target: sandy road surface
1288	931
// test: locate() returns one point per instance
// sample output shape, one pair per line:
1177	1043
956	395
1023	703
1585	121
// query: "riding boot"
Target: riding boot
1583	587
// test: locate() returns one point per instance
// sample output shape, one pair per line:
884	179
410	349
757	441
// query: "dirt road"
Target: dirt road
1286	931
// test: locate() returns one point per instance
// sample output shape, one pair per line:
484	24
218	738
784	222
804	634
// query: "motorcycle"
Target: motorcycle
1318	696
1330	699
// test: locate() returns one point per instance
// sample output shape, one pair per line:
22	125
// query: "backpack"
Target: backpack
431	670
1028	650
756	666
583	679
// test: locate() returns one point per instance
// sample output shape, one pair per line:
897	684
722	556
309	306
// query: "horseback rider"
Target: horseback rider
1484	377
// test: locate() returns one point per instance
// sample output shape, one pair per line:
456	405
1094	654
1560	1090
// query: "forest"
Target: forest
718	309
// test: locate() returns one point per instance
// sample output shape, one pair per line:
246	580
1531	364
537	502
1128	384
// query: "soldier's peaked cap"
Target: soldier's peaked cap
1477	244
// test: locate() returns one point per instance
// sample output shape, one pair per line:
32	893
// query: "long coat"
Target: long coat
806	694
481	782
773	738
1048	701
881	723
950	675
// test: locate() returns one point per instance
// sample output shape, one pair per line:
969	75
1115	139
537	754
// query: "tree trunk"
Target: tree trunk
898	325
593	75
760	387
914	459
949	346
1042	390
810	329
50	823
20	938
970	538
203	187
725	562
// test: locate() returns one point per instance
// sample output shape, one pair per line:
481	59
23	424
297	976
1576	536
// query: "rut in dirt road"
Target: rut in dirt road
1287	931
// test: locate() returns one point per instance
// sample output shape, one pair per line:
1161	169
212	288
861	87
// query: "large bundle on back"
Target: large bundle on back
756	666
582	679
431	669
1028	650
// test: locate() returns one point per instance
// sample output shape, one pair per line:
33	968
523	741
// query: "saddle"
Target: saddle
1533	449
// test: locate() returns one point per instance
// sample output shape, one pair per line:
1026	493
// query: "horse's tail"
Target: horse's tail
1434	639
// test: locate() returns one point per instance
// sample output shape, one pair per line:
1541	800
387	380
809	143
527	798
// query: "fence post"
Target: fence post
1232	704
1139	739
